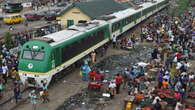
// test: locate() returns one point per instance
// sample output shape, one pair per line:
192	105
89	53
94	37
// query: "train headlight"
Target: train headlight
36	75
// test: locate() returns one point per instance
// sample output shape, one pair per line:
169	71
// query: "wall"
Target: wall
73	14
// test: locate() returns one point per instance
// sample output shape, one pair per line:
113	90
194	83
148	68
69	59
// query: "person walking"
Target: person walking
157	106
112	88
33	99
16	93
45	93
5	72
26	23
118	81
125	76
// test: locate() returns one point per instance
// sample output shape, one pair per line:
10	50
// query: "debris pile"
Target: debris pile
85	100
117	63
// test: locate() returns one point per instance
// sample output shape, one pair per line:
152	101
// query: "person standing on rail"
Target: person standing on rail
33	99
16	92
45	93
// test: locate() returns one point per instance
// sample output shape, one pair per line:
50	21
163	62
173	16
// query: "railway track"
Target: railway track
8	104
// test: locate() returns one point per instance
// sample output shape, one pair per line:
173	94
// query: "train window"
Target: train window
130	19
33	55
27	55
126	21
112	28
123	22
115	27
38	55
82	45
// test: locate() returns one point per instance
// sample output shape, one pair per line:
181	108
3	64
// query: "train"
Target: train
42	58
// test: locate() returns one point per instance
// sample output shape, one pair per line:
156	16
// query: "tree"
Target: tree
8	40
183	5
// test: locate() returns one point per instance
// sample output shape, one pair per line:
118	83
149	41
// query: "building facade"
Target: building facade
90	10
73	16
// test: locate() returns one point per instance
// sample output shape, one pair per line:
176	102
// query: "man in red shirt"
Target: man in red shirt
118	81
92	75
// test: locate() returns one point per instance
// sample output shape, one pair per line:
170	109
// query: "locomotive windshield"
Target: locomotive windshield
33	55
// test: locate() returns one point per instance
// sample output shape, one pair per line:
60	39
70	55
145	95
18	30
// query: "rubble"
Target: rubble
117	63
85	100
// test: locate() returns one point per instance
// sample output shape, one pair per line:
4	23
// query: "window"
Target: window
33	55
38	56
116	26
27	55
83	44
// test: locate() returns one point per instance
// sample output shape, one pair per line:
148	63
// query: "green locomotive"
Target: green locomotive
42	58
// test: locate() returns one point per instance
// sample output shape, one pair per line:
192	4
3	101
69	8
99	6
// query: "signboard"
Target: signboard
27	5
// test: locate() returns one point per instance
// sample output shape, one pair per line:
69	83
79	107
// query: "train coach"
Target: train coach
42	58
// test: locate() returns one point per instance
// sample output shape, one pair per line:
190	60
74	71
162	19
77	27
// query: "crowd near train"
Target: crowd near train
42	58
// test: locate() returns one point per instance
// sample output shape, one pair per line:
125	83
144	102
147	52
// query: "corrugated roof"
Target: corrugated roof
98	8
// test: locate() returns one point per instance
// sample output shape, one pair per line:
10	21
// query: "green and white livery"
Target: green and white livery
42	58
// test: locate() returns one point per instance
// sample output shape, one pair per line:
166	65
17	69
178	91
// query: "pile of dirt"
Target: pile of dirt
117	63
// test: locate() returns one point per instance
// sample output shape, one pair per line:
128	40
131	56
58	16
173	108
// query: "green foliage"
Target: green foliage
183	5
8	40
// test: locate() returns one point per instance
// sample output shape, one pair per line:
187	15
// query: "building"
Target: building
87	11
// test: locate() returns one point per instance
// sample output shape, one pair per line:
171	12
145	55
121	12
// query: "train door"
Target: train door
57	57
121	27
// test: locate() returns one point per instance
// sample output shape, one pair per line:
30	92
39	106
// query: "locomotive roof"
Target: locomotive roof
131	11
73	31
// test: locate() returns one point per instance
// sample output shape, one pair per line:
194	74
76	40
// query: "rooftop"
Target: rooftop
72	32
96	8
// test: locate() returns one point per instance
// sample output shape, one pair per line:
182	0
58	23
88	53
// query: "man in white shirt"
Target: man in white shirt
114	41
178	106
155	100
112	87
5	72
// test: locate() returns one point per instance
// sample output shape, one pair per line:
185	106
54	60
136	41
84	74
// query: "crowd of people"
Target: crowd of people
9	77
21	37
167	79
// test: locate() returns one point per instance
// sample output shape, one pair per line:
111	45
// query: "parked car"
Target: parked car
33	17
13	18
50	16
